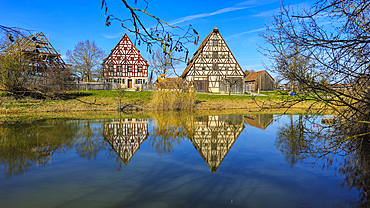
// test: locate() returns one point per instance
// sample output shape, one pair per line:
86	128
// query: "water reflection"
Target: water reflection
310	138
253	171
24	146
213	136
169	129
261	121
88	142
126	136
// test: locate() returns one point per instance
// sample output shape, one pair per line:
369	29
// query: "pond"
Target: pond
169	160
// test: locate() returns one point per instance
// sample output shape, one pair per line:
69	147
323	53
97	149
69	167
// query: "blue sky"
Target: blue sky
68	22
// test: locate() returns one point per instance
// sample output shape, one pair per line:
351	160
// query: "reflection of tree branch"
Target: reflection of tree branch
299	141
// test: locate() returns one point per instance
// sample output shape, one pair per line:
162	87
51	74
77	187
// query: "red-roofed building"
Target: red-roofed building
260	80
125	66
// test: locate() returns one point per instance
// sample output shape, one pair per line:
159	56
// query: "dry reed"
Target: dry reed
174	95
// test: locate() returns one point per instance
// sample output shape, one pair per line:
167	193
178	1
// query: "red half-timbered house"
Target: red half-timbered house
124	65
126	137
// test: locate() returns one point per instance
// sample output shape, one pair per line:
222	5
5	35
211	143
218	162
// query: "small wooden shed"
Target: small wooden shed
260	80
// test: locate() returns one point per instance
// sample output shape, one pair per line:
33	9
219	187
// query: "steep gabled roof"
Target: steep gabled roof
200	49
253	76
197	53
115	48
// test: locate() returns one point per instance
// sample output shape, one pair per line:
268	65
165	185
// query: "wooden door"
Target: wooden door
201	85
130	83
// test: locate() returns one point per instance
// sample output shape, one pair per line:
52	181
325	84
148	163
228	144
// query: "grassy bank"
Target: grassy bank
86	102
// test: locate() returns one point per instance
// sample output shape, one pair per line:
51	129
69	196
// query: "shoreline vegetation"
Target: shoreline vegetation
106	104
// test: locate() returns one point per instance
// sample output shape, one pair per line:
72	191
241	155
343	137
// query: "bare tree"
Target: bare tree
326	45
85	59
232	84
163	34
333	36
162	63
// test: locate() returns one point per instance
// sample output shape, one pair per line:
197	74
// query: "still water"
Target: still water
176	160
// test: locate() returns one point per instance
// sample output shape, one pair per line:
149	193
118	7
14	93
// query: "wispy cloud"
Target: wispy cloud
252	66
113	36
239	6
246	32
255	2
277	10
196	16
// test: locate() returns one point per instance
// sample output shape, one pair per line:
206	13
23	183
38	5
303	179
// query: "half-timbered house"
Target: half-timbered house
126	137
125	66
214	136
40	57
260	80
213	67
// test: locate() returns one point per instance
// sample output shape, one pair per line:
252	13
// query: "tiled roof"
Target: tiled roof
253	76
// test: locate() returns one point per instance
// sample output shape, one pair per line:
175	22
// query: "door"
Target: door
130	83
201	85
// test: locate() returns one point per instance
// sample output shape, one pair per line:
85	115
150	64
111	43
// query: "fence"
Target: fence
147	87
95	86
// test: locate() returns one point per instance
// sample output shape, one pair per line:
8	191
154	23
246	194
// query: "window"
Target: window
110	68
118	68
138	81
130	68
215	42
123	81
140	69
214	54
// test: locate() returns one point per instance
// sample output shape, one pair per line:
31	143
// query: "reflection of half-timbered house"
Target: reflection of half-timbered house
213	67
261	121
126	136
125	66
214	136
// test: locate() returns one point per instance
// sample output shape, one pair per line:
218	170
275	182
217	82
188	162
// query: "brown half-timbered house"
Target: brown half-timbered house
260	80
213	67
214	136
125	66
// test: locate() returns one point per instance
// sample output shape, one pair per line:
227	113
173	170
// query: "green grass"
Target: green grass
241	97
130	95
